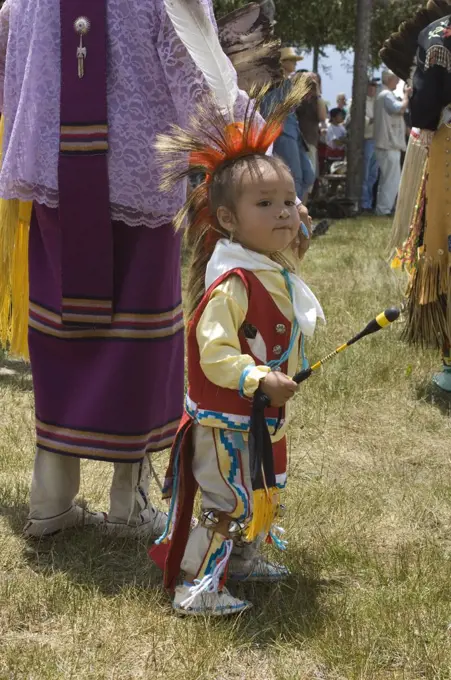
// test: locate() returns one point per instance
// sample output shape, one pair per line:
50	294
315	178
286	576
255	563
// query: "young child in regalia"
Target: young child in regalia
248	312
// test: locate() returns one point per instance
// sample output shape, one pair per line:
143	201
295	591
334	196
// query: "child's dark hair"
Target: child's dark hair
224	189
333	113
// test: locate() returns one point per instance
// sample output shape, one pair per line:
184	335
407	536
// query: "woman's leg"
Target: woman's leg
131	512
55	483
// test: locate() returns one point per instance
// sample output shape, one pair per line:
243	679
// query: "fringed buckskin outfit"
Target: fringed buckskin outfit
429	243
421	237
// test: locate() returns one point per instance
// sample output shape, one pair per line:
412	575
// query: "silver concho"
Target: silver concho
82	25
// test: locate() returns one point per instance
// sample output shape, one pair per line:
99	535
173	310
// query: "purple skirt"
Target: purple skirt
108	392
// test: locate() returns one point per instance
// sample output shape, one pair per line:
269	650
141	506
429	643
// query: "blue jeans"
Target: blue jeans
370	172
290	151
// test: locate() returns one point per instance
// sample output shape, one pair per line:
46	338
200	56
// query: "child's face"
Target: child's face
267	219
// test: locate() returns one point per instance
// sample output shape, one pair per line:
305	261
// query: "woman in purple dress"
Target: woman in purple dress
85	88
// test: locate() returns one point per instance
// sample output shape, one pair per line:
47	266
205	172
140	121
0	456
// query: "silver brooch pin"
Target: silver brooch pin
81	26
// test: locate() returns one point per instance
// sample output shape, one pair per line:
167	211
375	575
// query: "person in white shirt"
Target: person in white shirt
389	138
342	103
336	131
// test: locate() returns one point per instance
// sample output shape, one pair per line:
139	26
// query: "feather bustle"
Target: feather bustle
197	33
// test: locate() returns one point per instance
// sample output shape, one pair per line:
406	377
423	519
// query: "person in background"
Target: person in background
311	114
342	103
390	141
336	131
289	59
370	166
290	145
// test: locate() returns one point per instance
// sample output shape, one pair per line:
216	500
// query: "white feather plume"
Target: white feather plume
197	33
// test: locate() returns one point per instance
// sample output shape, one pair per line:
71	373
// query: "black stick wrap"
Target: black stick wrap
376	324
260	446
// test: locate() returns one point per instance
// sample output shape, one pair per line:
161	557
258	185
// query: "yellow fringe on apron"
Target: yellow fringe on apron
429	293
264	510
15	219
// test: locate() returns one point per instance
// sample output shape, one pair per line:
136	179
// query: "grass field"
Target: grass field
369	526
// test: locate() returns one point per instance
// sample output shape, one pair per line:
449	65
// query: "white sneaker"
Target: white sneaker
151	524
214	604
76	516
257	569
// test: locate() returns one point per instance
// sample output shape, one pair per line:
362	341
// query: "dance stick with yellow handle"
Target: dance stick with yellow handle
381	321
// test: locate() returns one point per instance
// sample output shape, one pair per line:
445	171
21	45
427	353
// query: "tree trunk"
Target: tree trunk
315	59
354	174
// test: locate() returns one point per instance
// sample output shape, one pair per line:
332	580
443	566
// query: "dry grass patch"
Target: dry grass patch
368	524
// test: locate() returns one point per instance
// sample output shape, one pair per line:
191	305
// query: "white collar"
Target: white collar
227	256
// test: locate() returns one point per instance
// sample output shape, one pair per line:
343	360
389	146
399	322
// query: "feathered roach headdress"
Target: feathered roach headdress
398	52
213	141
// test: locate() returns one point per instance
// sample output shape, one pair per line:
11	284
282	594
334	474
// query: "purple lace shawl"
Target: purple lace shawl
152	82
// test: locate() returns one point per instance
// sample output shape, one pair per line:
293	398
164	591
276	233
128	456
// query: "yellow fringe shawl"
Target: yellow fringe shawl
15	219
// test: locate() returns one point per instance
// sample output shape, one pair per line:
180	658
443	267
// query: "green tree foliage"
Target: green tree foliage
317	24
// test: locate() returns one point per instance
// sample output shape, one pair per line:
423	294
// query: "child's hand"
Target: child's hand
303	215
278	387
302	242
